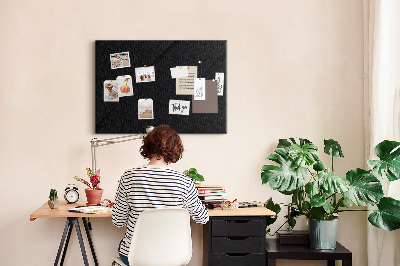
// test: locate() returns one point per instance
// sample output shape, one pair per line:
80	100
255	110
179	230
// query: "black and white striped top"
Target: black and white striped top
151	187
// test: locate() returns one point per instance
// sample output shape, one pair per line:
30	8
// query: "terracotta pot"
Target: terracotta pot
93	196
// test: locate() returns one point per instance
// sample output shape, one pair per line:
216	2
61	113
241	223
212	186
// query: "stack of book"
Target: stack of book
211	194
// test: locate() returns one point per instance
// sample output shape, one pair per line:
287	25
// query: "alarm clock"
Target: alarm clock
71	194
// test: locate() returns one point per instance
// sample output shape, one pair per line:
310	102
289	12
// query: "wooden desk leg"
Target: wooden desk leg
271	262
331	263
68	225
78	232
90	241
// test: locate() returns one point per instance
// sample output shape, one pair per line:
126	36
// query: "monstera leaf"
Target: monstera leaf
286	177
331	183
363	188
334	147
388	216
276	208
388	153
304	155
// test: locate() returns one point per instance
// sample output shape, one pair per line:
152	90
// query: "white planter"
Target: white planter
54	204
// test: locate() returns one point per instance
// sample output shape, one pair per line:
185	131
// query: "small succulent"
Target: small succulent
53	195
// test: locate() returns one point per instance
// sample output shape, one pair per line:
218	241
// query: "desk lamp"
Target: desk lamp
94	143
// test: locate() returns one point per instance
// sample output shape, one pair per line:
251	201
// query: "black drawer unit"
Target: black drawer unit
234	241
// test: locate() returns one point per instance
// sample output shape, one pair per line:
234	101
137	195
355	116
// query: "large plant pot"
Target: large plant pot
323	234
93	196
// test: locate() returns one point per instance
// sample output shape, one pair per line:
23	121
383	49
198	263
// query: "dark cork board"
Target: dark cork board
122	116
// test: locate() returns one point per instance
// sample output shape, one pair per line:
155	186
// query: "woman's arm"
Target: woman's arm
193	205
120	208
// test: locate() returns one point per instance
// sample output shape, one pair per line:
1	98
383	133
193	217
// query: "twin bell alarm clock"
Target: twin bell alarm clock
71	194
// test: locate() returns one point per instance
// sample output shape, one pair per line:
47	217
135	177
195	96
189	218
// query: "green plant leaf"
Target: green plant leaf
364	188
388	216
311	189
306	206
317	213
304	155
332	146
331	183
276	208
320	201
388	153
319	166
287	176
284	143
194	175
292	222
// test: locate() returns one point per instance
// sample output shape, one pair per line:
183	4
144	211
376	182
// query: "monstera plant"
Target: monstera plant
320	194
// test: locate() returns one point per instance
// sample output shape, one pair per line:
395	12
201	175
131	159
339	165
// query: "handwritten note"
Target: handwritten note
178	107
179	72
219	77
185	86
199	89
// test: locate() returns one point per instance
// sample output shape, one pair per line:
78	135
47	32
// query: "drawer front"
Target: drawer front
236	227
237	245
237	259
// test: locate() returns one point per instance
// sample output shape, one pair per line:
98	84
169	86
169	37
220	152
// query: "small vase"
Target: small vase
54	204
323	234
93	196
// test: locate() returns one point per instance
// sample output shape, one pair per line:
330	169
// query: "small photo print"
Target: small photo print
120	60
145	109
125	86
145	74
111	91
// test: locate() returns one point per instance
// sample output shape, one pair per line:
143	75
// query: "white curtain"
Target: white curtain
383	109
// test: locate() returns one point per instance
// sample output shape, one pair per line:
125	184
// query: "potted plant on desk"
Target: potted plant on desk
93	193
319	194
194	175
53	202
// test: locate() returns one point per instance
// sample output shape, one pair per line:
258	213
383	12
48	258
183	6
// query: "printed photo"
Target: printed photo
145	74
111	91
145	109
120	60
125	85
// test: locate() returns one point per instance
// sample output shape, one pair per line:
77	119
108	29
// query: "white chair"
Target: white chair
162	237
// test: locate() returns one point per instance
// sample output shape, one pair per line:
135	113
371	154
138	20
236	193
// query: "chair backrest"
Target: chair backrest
161	237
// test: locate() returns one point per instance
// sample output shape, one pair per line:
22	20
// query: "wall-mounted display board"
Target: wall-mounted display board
182	84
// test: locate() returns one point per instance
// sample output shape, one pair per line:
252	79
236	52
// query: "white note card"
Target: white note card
179	107
199	89
219	77
179	72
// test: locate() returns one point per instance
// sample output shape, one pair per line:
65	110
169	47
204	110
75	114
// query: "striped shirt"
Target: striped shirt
151	187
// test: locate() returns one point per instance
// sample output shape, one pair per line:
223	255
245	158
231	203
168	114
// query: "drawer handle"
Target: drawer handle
237	254
237	221
236	237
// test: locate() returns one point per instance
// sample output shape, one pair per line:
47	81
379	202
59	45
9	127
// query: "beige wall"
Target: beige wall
294	69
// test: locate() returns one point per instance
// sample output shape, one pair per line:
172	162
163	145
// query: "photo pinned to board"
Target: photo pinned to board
111	91
120	60
185	85
145	74
199	89
179	72
219	77
145	109
179	107
125	87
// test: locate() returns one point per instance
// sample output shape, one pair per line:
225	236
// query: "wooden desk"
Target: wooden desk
304	252
235	237
72	219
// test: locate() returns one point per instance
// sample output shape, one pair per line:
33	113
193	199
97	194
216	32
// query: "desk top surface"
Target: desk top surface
62	212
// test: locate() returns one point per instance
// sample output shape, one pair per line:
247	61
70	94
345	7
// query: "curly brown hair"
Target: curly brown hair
162	141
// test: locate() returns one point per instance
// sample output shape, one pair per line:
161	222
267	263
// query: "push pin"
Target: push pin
144	65
199	62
